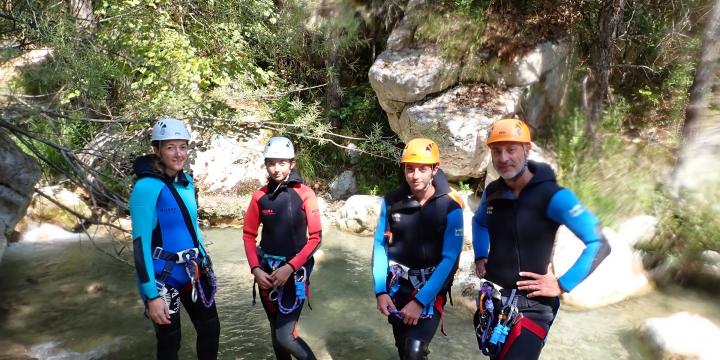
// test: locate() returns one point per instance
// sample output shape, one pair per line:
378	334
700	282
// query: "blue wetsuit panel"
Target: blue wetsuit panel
174	234
452	245
380	258
480	234
566	209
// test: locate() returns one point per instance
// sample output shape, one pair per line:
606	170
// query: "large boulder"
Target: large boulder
409	75
620	276
18	175
682	336
458	121
360	214
230	164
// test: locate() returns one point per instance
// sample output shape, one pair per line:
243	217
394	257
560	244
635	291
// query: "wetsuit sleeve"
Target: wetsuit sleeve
566	209
314	227
142	213
452	244
480	235
380	258
250	230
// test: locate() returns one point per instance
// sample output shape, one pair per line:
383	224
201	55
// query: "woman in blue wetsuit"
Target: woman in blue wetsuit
171	262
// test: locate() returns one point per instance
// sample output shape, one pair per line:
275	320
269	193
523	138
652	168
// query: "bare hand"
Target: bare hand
158	311
281	275
411	313
262	278
480	267
383	303
540	285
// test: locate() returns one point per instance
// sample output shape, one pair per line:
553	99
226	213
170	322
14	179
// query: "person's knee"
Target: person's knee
284	337
415	350
209	328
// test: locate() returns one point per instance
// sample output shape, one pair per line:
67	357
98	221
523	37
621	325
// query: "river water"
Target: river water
66	300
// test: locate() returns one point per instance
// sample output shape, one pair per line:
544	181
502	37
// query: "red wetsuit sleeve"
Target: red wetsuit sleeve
250	229
314	226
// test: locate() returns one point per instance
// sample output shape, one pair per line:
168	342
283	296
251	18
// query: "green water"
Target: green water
47	312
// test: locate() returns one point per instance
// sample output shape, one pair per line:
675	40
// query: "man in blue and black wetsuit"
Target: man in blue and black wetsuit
514	233
416	248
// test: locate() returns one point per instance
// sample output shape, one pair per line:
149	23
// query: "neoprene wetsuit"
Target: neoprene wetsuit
427	237
157	221
518	234
291	231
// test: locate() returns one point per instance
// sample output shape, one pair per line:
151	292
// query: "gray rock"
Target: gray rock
458	121
360	214
18	175
343	186
353	153
410	75
682	336
602	287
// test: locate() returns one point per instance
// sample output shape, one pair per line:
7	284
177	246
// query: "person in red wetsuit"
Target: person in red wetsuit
283	261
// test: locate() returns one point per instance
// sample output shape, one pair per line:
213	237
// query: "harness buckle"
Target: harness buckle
157	252
192	252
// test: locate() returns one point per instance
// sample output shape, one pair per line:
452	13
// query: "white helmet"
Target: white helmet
169	129
279	147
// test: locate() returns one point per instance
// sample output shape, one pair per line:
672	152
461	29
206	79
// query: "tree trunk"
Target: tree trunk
700	151
601	56
82	11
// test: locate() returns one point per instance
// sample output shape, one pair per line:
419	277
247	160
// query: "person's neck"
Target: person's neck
518	184
423	195
171	174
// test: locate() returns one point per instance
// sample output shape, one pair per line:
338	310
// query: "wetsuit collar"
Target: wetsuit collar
144	166
293	178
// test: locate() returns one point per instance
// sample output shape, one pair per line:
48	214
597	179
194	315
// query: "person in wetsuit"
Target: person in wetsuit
416	248
514	234
291	233
166	238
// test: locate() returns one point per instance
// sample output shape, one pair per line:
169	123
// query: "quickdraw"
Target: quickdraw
491	339
192	269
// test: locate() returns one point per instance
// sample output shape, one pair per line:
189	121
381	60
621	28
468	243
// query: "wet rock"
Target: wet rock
619	276
95	288
360	214
343	186
18	175
682	336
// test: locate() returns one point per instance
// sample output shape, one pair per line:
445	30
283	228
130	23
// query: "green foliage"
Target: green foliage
456	27
618	179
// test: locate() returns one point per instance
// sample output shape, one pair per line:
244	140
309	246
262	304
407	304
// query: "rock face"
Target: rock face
343	186
624	262
454	102
18	175
682	336
360	214
43	210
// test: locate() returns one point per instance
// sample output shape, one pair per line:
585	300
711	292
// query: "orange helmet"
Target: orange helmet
420	151
509	130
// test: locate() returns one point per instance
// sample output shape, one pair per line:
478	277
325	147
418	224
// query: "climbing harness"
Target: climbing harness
417	277
497	317
194	270
301	283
